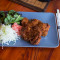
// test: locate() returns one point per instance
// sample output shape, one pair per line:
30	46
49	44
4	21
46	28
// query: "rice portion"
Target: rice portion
7	34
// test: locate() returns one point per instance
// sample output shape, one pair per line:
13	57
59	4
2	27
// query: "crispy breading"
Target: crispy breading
33	30
24	21
44	27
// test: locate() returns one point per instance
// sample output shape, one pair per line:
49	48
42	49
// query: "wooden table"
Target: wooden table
13	53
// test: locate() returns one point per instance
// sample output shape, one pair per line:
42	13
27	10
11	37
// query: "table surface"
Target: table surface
13	53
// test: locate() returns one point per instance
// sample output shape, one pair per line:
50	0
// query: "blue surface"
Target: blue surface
51	40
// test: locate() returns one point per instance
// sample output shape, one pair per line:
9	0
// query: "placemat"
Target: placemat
33	4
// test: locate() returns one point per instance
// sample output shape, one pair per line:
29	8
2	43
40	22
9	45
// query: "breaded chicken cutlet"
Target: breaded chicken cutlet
31	34
33	30
44	27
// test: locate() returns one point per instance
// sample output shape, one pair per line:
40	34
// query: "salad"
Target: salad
10	26
10	17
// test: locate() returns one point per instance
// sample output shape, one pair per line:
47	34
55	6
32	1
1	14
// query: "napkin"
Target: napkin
58	22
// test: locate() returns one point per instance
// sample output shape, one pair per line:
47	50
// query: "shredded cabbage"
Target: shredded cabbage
7	34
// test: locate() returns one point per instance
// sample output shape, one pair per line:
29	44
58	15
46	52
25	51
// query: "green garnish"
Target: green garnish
12	17
2	16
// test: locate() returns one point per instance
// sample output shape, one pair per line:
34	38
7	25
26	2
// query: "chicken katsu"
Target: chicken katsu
33	30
